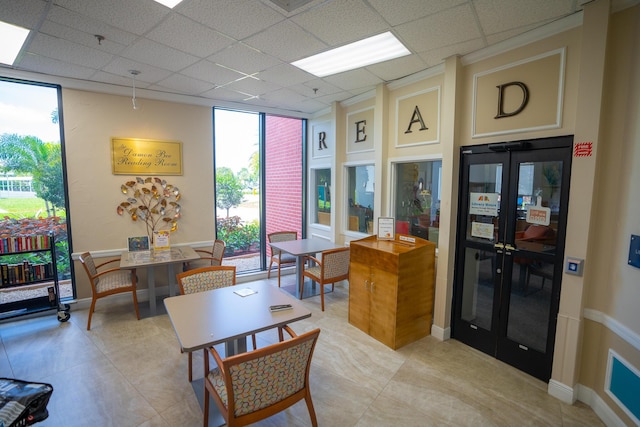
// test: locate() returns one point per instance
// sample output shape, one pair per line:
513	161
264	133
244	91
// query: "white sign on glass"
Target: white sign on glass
483	204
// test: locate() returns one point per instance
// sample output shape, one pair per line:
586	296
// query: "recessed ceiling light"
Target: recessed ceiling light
13	38
169	3
372	50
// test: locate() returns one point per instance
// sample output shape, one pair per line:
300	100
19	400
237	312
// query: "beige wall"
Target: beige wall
613	292
90	121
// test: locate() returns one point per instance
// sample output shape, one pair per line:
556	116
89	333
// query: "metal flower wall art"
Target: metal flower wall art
152	201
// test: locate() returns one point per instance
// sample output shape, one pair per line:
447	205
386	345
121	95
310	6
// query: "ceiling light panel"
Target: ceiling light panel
13	37
169	3
372	50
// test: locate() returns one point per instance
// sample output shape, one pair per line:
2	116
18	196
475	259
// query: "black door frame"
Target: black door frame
495	342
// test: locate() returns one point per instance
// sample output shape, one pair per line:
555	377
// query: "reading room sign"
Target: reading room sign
133	156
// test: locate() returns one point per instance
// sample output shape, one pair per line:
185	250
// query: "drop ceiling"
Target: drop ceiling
238	52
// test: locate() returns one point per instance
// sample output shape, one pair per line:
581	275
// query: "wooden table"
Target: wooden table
301	248
152	259
208	318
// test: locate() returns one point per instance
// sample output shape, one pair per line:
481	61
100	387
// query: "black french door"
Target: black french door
510	249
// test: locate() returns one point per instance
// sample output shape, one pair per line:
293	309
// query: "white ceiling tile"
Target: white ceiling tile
210	72
148	73
286	41
252	86
285	75
188	36
244	59
409	10
437	56
66	51
238	18
152	53
389	70
355	79
341	21
136	17
436	30
32	61
89	25
184	84
224	94
24	13
501	15
74	35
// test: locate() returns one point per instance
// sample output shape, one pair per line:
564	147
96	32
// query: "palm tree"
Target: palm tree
29	155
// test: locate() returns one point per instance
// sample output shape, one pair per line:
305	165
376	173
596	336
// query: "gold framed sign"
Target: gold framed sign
134	156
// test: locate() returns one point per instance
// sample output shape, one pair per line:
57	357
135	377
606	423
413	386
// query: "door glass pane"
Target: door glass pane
530	302
485	184
538	206
417	199
478	287
360	194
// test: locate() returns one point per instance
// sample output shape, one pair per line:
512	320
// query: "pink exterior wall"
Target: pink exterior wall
283	166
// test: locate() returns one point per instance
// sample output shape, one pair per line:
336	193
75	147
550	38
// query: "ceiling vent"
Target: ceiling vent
290	5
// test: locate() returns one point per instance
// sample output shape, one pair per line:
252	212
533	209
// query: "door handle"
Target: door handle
499	246
509	247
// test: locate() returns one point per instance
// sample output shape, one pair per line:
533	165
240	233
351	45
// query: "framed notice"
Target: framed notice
133	156
386	228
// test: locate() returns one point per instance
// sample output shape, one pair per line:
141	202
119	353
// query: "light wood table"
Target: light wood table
301	248
152	259
208	318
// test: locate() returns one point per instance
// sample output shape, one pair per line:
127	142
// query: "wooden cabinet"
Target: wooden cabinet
391	288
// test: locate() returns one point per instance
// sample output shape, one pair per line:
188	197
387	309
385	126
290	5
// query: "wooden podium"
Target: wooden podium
391	288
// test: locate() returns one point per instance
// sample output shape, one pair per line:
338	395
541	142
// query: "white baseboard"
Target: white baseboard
602	410
442	334
562	392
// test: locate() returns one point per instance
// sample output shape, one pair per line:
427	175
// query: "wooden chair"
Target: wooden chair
206	279
333	268
252	386
276	255
207	258
108	282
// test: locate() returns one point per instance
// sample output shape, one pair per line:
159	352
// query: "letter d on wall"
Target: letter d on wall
523	104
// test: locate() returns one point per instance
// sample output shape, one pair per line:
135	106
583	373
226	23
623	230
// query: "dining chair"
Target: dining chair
252	386
277	255
205	279
108	282
333	268
211	258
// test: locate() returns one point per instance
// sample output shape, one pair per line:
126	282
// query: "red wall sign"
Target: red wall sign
583	149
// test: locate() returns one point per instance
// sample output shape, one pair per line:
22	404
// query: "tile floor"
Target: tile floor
126	372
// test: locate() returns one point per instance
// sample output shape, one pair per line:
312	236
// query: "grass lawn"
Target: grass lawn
24	208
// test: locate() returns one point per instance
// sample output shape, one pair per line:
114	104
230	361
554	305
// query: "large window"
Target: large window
417	198
360	182
321	197
258	165
32	186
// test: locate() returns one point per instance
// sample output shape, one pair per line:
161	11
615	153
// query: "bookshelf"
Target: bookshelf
20	273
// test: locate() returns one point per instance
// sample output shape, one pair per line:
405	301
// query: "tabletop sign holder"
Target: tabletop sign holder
161	240
138	243
386	228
